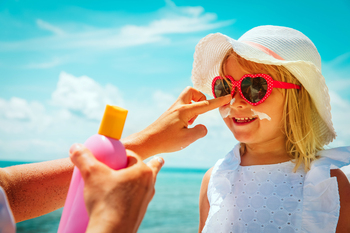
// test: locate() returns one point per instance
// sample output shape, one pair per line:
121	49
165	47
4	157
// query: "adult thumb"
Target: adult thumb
84	160
155	164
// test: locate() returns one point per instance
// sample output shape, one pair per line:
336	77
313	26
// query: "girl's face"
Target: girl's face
255	130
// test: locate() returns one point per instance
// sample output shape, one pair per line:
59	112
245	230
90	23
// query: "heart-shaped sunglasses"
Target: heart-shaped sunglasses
254	88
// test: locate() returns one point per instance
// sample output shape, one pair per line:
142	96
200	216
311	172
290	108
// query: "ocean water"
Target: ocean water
173	209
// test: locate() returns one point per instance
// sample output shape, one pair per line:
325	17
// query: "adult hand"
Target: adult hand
170	132
116	200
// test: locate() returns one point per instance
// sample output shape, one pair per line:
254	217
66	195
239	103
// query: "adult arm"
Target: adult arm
36	189
203	200
344	193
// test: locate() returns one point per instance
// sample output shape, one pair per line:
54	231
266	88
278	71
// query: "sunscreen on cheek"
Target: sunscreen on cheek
225	111
261	115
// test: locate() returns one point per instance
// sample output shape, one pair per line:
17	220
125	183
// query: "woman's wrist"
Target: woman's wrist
141	144
105	221
98	224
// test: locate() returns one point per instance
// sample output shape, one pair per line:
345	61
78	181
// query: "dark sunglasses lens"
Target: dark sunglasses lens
222	87
254	89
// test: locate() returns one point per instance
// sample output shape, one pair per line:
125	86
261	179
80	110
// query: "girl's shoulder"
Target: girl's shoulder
344	192
325	177
206	177
205	182
204	205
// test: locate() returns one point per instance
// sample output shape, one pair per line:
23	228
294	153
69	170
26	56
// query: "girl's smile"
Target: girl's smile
243	120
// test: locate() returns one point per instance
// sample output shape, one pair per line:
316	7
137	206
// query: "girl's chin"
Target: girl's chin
243	138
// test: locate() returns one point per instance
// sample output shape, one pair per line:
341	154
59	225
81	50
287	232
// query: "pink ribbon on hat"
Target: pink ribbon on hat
264	49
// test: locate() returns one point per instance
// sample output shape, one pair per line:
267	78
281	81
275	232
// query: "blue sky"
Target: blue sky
62	61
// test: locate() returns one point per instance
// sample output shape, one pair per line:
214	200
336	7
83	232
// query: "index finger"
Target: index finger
189	94
207	105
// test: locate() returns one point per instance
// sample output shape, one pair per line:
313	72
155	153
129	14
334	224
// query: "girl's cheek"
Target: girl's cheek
225	111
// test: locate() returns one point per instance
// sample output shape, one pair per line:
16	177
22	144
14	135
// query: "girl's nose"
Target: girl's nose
237	100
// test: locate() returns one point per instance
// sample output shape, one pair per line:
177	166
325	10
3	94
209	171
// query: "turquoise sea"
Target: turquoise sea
173	209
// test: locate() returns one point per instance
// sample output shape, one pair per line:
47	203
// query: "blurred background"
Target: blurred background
62	61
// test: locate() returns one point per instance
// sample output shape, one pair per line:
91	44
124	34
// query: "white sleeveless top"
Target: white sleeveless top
272	198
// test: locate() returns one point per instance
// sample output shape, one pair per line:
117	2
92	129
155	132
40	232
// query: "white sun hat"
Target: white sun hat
272	45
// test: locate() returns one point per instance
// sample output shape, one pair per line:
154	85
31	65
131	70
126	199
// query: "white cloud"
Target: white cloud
26	147
18	116
20	109
340	115
341	60
45	65
337	74
84	96
187	10
173	20
163	100
31	130
49	27
177	20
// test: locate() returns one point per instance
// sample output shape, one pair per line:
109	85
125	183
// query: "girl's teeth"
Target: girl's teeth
246	119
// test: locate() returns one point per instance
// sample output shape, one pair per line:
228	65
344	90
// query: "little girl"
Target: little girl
278	178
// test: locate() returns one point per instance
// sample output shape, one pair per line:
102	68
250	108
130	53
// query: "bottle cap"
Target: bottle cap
113	121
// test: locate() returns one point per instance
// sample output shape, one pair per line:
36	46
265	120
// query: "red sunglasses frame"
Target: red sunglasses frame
270	85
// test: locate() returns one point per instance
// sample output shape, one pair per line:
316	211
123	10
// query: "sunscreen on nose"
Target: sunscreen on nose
107	148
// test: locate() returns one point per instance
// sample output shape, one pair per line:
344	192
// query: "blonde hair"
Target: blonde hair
302	143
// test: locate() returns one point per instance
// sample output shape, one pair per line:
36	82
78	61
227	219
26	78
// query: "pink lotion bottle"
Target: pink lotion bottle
107	148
